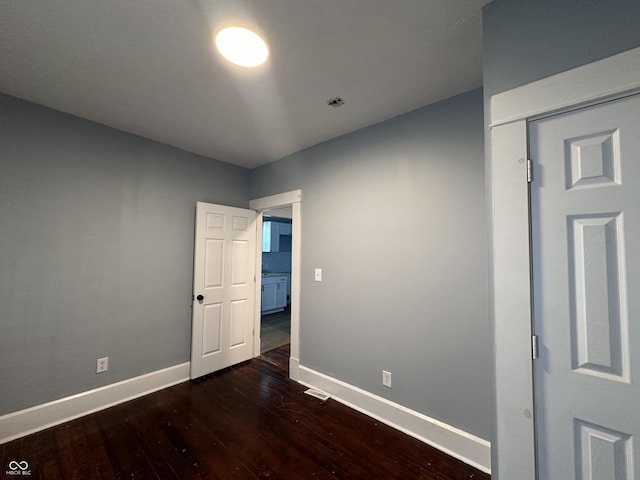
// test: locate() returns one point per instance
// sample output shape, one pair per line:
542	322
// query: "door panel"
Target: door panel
585	201
237	322
212	328
224	274
213	262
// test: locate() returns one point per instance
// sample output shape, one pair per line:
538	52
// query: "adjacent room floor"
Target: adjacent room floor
245	422
275	330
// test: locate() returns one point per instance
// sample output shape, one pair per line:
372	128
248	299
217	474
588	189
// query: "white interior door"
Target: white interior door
585	201
224	287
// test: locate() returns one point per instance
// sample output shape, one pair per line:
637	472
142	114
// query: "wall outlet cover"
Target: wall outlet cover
102	365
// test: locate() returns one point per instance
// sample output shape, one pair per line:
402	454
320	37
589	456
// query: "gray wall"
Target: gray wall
526	40
96	251
394	214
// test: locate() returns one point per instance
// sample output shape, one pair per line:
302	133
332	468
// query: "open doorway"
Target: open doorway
265	207
275	288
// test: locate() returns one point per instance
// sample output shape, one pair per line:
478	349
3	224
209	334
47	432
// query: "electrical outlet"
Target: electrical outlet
386	378
102	365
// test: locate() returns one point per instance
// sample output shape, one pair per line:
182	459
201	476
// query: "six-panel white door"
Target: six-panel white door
585	205
224	287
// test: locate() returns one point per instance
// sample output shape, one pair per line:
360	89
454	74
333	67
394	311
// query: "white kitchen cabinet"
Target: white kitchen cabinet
285	229
271	232
269	296
267	236
271	236
281	293
274	294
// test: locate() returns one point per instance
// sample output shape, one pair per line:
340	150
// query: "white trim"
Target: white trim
24	422
296	269
257	341
611	76
276	201
455	442
513	440
294	369
513	437
293	198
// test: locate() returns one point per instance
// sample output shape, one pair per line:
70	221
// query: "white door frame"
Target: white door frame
513	440
294	199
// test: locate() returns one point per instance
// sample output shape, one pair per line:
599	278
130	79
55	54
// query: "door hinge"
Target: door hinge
534	347
529	170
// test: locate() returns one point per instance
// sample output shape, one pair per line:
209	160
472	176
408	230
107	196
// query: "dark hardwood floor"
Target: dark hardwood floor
246	422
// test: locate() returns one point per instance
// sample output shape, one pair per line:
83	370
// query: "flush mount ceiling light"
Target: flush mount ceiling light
242	46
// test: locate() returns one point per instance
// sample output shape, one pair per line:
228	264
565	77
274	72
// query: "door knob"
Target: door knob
200	298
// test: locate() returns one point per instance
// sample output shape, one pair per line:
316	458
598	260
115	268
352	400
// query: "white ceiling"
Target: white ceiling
149	67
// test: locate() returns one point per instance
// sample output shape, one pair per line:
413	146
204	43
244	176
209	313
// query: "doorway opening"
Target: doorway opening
275	288
280	206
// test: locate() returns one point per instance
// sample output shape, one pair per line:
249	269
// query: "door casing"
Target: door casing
513	437
294	199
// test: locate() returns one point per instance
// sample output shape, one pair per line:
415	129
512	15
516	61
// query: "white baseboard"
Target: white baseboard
455	442
24	422
294	368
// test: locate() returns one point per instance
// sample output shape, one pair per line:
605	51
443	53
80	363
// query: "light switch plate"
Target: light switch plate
318	275
386	378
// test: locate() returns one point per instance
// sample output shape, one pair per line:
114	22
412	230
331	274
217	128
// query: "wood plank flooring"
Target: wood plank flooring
246	422
275	330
